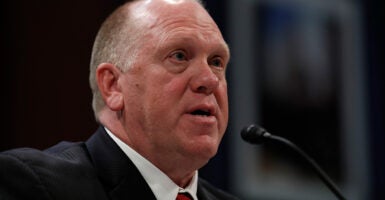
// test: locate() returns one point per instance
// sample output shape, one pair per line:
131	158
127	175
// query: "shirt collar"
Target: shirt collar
161	185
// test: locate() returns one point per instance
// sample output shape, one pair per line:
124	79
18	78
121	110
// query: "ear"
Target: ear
107	76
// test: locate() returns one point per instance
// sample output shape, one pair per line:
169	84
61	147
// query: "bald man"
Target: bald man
157	75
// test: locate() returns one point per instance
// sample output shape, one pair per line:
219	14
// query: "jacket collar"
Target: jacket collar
119	176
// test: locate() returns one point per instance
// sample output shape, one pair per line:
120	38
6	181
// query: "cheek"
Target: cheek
162	109
164	94
222	99
171	89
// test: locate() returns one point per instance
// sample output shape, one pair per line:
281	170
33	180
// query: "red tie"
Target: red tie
184	196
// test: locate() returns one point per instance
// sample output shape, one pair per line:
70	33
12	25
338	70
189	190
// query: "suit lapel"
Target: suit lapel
119	176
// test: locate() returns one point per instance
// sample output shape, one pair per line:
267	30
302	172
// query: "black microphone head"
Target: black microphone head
254	134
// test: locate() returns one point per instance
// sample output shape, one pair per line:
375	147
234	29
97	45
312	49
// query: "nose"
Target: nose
204	80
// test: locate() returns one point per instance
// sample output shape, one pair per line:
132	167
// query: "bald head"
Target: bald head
123	33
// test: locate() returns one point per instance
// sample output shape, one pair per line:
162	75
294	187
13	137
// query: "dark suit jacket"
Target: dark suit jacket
96	169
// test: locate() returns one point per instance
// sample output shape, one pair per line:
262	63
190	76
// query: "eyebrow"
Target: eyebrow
171	40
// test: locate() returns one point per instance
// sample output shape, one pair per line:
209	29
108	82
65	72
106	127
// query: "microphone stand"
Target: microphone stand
255	134
321	174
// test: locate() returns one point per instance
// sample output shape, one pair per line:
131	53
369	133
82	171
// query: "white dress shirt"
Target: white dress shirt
161	185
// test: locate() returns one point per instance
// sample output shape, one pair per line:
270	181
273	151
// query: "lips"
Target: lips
203	110
202	119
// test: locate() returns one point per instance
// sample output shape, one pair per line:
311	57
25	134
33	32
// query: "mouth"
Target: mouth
202	112
203	115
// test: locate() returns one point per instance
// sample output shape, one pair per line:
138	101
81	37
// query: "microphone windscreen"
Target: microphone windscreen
254	134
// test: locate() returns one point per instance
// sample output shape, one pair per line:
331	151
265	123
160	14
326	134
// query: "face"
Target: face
175	95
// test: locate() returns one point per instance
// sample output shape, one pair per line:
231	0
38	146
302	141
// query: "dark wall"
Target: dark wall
374	44
45	51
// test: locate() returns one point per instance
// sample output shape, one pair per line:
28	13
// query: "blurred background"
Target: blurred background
311	71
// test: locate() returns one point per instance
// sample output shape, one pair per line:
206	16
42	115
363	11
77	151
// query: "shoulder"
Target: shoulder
64	154
208	191
14	170
27	173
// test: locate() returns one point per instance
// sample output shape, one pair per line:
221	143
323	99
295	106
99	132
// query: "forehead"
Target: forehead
179	20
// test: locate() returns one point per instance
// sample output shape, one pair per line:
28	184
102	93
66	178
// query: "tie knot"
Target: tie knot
184	196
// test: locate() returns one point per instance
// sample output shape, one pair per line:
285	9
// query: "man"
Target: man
160	94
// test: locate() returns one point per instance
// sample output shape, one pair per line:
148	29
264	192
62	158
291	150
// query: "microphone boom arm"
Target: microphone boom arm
255	134
322	175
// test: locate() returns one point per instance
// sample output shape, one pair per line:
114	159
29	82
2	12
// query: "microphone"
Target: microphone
255	134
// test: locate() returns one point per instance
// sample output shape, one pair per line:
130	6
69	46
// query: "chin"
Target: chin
205	149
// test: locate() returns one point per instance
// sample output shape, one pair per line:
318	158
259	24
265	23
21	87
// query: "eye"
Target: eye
179	56
217	62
